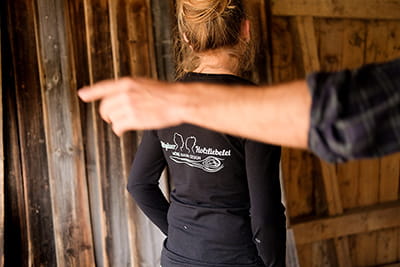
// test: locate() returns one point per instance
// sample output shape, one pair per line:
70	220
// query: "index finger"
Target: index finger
104	88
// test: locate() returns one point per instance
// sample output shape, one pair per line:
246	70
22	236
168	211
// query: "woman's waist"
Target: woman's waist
198	254
202	218
208	229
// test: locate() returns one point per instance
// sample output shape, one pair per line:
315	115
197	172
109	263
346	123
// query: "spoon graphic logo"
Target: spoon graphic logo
209	164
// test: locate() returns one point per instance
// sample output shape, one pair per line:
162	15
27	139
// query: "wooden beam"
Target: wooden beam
355	9
396	264
378	217
308	44
68	185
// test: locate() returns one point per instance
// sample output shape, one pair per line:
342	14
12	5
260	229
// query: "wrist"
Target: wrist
182	102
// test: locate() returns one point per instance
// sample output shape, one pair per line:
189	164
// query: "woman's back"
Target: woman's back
218	181
225	208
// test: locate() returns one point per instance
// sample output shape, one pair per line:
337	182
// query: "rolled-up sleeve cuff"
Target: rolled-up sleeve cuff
324	139
355	114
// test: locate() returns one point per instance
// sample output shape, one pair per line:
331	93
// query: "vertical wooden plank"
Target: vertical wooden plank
305	253
257	11
283	65
389	178
69	194
330	37
100	67
90	126
354	47
388	243
341	245
119	42
140	27
342	45
163	14
124	25
308	44
382	44
297	174
369	183
15	230
140	41
34	165
15	236
297	177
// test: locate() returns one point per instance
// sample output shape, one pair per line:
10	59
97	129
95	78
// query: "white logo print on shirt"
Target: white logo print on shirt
185	151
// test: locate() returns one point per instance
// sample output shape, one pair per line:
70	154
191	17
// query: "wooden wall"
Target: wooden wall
66	198
65	171
344	214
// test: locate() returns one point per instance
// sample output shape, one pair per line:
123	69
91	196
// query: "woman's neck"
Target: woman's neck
218	62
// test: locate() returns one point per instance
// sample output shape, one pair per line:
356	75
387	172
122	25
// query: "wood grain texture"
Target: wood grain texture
119	43
102	148
69	194
91	136
140	39
349	44
163	16
358	47
371	9
383	44
15	234
143	47
32	140
259	16
377	217
308	44
119	26
298	174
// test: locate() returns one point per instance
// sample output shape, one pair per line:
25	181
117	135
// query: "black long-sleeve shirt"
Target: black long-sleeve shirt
225	207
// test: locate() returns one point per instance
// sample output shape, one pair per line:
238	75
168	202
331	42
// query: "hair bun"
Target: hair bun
200	11
220	6
205	25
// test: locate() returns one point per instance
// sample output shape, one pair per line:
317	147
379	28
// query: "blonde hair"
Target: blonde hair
205	25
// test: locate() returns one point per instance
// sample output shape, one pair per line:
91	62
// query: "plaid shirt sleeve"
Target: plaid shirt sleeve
355	114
